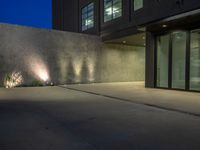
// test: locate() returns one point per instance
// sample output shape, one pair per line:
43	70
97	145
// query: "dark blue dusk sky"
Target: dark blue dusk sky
35	13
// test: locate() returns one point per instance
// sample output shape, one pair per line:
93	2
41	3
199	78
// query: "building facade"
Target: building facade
170	31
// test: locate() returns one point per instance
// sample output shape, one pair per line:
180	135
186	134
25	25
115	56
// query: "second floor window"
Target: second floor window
87	17
138	4
112	9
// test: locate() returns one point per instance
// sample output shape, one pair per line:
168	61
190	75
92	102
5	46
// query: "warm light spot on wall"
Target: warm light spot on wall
77	65
42	74
38	68
91	69
63	63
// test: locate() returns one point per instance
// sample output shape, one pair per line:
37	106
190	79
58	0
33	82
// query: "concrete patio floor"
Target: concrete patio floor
56	118
182	101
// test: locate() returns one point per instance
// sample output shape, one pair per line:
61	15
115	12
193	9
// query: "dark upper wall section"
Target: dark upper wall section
57	14
65	15
153	10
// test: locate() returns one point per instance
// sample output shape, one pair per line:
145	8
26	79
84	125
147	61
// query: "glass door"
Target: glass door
163	60
178	60
171	60
195	60
179	41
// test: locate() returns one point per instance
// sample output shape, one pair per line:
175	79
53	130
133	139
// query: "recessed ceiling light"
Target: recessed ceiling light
164	25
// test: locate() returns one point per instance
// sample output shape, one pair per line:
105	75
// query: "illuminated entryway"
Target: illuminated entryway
178	60
131	60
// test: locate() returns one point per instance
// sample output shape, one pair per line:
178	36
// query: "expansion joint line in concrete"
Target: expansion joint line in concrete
131	101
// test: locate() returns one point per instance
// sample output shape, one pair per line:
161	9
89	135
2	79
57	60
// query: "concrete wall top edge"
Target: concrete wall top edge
12	26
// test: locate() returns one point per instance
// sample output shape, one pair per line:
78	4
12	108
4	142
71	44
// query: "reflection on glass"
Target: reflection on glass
195	60
178	59
162	60
112	9
138	4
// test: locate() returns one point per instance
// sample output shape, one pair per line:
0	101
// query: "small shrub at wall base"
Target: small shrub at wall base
13	79
37	83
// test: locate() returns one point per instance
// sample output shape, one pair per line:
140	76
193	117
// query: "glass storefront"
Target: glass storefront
174	51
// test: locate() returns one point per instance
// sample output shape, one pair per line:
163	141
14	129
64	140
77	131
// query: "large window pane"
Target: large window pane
178	59
162	60
87	17
195	61
112	9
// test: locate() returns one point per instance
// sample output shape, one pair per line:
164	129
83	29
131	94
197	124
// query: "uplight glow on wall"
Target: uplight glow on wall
91	69
77	66
38	68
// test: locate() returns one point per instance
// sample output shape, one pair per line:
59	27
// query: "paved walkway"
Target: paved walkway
55	118
186	102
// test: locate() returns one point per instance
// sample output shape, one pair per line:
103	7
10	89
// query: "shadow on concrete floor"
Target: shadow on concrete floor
52	118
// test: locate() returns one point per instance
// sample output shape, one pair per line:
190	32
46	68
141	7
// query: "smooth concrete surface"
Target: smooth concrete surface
55	118
188	102
66	57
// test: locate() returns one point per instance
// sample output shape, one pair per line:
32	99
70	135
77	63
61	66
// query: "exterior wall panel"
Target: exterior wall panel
67	57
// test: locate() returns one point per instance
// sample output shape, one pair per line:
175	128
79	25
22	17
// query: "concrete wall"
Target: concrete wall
66	57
